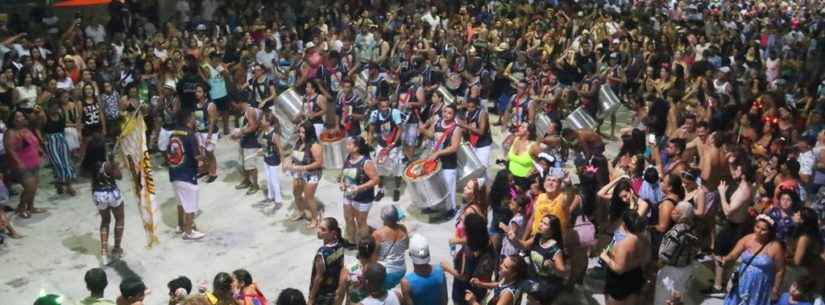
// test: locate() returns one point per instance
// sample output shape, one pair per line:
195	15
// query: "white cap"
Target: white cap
419	250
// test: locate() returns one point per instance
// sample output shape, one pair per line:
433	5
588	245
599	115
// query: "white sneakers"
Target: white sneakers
195	235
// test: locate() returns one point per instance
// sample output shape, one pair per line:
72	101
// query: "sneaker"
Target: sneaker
379	195
396	195
211	179
195	235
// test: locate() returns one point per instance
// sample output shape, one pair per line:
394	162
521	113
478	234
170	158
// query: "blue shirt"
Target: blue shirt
429	289
785	299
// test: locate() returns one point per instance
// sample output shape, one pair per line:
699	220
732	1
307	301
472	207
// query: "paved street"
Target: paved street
63	243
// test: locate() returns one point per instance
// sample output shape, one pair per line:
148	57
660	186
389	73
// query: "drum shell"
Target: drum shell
579	119
469	166
608	101
542	124
428	192
445	93
335	153
290	105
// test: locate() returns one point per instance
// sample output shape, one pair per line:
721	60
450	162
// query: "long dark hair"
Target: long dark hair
309	134
555	230
272	120
243	277
222	289
809	225
476	231
361	145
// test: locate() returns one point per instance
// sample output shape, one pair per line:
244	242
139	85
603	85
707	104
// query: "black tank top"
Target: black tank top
354	175
91	115
273	156
312	106
485	139
449	161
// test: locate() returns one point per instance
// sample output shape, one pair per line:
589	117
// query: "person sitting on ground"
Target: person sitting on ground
132	291
179	289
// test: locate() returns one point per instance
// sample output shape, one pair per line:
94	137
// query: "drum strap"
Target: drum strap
448	131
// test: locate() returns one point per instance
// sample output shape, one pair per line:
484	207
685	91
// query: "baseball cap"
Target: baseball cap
419	250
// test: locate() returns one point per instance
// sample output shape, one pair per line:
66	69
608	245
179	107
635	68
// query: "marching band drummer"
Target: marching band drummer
447	136
385	134
315	106
477	125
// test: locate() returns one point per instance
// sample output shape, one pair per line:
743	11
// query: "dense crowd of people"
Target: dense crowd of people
721	163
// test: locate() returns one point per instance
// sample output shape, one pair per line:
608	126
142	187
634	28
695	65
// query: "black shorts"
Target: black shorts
221	103
728	235
620	286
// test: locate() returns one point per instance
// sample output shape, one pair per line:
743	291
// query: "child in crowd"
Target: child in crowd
800	293
516	225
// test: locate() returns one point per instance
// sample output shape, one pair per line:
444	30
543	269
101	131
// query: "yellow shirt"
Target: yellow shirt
546	206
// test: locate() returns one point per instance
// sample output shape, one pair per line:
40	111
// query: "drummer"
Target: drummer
520	108
447	136
315	106
349	109
410	101
385	135
477	126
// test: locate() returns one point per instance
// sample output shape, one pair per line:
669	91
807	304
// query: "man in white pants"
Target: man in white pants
447	136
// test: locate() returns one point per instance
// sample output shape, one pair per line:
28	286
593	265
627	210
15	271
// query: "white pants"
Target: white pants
273	185
449	178
483	154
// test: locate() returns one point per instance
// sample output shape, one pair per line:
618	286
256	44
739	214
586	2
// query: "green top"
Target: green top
520	164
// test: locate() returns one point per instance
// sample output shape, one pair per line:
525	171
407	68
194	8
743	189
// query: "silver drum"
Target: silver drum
469	166
445	93
335	153
542	124
427	191
289	105
608	101
579	119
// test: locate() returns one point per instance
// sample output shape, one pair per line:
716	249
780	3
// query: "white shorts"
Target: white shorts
163	139
107	199
363	207
72	138
202	137
187	194
249	158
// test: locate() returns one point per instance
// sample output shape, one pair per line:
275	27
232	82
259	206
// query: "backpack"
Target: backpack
678	246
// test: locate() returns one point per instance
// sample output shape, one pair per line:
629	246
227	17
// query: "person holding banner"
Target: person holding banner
447	136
